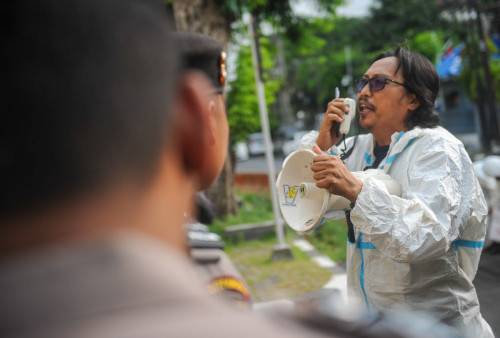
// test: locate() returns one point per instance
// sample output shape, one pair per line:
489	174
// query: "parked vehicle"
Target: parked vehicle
256	144
291	145
282	134
241	151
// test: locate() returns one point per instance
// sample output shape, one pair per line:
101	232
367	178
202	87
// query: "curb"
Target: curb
337	283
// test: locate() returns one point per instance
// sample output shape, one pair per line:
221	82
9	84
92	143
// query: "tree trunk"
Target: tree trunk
203	16
222	193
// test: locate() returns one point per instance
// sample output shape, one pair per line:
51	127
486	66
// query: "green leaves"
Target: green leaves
243	109
428	43
322	53
473	70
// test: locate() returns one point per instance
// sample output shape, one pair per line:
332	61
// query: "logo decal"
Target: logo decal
290	194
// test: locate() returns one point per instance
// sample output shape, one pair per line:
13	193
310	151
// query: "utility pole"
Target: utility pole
282	250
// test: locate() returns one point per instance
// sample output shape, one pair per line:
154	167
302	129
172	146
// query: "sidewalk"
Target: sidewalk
487	283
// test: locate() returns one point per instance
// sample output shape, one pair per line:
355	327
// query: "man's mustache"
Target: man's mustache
366	103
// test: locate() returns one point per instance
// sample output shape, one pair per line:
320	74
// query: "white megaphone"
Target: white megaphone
303	204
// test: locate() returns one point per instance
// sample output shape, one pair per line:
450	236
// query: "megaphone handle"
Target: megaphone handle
350	227
335	128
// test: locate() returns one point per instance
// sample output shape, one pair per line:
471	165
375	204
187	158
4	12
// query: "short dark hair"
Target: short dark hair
421	79
85	92
204	53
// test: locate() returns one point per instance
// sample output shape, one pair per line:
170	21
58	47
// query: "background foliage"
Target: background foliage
242	102
315	53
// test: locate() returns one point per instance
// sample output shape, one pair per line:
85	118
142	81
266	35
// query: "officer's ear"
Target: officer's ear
191	129
212	117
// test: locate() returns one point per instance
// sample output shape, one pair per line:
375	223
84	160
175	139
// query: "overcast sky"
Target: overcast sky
355	8
352	8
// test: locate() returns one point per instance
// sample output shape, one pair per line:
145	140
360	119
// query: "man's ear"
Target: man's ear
413	102
192	131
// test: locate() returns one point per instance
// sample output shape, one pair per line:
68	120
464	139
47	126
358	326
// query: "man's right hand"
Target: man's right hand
331	173
334	114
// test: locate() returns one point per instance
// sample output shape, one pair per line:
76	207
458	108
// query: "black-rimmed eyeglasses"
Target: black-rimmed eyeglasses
375	83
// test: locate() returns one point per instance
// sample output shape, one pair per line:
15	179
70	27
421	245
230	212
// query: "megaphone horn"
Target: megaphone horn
303	204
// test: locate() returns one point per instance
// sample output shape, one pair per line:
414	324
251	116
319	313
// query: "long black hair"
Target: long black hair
421	79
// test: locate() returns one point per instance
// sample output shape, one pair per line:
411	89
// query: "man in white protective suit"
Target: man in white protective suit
419	251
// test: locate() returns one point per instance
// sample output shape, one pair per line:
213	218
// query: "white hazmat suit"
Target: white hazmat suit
419	251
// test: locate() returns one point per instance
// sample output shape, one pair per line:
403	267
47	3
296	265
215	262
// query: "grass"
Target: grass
255	207
331	240
276	280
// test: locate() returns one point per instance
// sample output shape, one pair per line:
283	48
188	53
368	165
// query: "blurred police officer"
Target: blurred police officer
102	144
201	53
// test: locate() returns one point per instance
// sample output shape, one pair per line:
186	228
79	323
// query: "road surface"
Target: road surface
258	164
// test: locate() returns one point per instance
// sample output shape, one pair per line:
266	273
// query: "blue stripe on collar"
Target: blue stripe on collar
368	159
391	158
